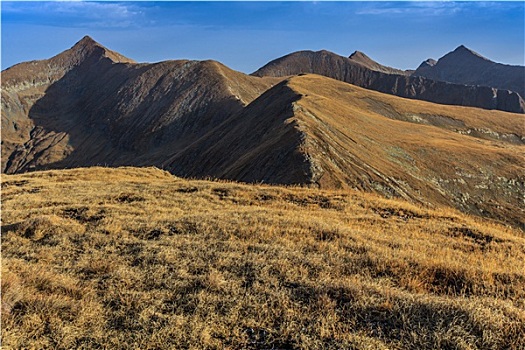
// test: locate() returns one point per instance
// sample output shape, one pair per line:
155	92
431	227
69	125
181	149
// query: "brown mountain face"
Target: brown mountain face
91	106
318	131
464	66
25	84
261	143
416	87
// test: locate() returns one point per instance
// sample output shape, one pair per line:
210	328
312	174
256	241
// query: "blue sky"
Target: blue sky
246	35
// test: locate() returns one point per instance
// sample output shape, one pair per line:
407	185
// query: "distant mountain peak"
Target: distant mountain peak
87	46
360	55
427	63
467	67
463	48
86	41
465	51
362	59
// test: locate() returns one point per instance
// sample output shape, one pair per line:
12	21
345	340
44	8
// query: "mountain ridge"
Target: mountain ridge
59	64
202	119
364	60
465	66
289	136
123	107
414	87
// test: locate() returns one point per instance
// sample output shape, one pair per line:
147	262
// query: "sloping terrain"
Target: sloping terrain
318	131
138	259
362	59
415	87
262	143
102	109
90	106
464	66
23	85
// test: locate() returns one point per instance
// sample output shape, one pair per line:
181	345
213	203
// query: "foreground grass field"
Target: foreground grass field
137	259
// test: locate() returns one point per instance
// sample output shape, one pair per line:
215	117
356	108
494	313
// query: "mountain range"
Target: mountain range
309	118
364	72
464	66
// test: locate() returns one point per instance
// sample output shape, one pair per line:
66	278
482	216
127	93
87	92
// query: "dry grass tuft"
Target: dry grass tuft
136	258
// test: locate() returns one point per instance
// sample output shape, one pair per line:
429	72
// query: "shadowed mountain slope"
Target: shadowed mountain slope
24	84
464	66
91	106
318	131
345	69
262	143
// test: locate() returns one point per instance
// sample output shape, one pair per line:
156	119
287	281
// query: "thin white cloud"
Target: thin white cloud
416	8
433	8
77	13
73	7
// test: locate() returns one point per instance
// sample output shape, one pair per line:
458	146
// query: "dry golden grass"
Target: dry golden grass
467	158
137	259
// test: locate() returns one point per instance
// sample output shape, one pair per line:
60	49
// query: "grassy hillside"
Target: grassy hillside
467	158
137	259
319	131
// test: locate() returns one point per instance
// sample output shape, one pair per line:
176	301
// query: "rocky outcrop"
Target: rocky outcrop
341	68
427	64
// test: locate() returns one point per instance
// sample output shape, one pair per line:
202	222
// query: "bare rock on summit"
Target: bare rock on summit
427	64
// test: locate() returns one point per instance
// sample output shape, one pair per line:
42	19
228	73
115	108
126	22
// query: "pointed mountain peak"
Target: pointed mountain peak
359	55
362	59
463	48
427	63
465	52
87	47
86	41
